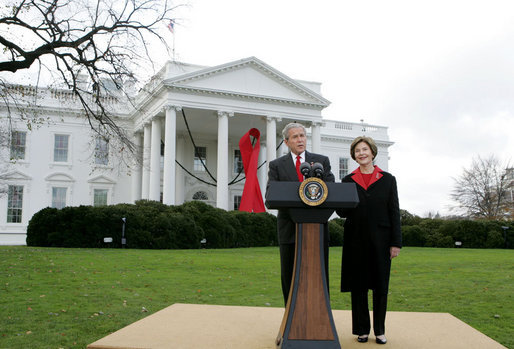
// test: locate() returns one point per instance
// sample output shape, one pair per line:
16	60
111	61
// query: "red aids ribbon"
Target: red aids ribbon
251	201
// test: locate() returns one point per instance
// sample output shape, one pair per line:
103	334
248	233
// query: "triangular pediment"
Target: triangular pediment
101	180
15	176
249	78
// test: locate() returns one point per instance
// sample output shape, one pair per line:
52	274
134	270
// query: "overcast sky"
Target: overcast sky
439	74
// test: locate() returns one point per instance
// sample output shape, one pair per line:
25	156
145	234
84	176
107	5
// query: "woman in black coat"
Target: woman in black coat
372	238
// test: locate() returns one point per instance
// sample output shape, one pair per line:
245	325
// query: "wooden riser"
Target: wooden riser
193	326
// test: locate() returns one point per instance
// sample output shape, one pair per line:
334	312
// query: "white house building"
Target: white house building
184	108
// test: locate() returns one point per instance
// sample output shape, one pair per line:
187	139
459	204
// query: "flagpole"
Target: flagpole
173	48
171	27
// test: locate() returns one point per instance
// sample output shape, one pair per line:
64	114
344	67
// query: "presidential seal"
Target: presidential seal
313	191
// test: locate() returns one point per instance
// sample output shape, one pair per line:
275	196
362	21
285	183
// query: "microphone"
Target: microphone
318	170
305	169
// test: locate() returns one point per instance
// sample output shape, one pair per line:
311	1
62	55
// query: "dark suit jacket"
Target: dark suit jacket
370	230
284	169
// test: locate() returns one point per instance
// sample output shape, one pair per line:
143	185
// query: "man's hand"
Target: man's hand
395	251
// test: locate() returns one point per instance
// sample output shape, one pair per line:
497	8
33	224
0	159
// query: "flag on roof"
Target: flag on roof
171	25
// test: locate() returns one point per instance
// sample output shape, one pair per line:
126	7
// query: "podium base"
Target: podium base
214	326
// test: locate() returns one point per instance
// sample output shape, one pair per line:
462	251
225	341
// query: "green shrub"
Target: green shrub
413	236
336	231
41	225
218	229
256	229
408	218
150	224
439	240
494	239
473	234
445	241
71	229
429	225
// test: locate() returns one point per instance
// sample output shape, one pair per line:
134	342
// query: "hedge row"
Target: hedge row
426	232
151	225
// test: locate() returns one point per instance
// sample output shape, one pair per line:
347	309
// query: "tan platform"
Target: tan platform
181	326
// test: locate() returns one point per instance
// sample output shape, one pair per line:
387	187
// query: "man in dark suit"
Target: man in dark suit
286	168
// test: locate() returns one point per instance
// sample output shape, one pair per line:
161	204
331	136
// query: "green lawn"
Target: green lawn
68	298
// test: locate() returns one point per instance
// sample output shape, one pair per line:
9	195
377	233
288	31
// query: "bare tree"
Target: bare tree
102	41
481	190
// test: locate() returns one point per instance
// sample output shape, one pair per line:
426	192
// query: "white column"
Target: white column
316	137
170	146
137	168
180	177
271	140
222	168
145	182
262	174
155	161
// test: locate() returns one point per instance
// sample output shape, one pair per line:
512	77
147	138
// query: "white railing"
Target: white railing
32	97
353	129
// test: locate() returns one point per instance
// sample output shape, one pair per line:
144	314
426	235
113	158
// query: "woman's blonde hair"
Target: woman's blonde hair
369	141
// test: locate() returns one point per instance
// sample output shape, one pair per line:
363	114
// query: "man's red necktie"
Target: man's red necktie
298	163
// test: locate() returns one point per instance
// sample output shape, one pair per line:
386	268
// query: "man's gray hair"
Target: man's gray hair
285	131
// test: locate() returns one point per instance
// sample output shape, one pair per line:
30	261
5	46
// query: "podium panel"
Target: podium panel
311	318
308	321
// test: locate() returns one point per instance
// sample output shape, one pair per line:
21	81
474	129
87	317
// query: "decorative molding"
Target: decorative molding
250	61
157	118
59	177
101	179
260	98
225	113
172	106
270	118
63	180
15	175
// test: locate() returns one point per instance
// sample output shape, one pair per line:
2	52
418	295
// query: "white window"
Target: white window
18	144
100	197
14	203
238	161
59	197
61	148
343	167
199	159
101	151
237	202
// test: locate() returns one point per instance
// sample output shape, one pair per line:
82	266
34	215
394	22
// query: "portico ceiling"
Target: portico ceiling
204	123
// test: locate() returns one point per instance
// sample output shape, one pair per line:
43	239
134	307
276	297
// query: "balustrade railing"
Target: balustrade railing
354	129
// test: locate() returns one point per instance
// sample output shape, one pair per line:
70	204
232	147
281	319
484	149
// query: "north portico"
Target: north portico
186	123
220	104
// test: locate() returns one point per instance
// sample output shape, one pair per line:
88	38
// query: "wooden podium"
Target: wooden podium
308	321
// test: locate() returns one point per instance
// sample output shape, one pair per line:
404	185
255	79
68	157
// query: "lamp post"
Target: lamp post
506	244
123	240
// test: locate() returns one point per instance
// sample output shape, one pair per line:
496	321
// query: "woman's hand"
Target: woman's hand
395	251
